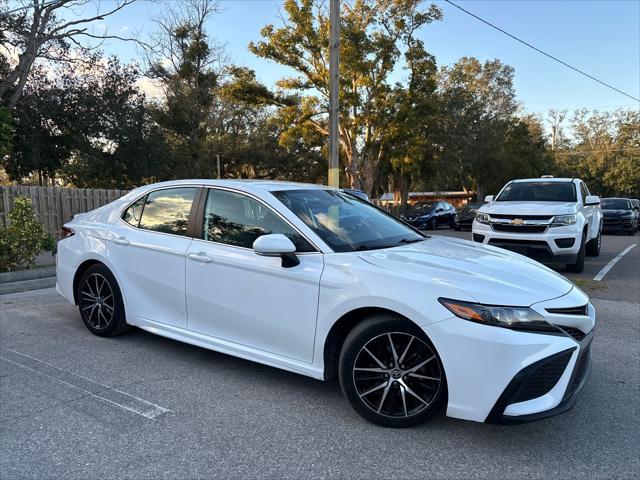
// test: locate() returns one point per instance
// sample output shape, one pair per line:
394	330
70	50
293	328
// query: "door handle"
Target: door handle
121	241
200	257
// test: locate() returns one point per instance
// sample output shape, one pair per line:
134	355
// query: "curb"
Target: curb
26	285
30	274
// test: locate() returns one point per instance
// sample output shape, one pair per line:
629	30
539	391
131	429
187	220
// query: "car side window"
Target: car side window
167	210
583	193
133	214
236	219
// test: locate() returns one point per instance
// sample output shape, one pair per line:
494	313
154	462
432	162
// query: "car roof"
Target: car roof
241	184
545	180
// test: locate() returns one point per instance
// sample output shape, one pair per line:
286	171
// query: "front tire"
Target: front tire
391	373
593	246
100	302
578	266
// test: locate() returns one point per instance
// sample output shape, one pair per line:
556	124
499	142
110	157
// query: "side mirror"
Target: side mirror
277	245
488	199
592	200
440	210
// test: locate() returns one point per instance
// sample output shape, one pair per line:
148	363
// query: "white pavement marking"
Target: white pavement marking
610	265
150	411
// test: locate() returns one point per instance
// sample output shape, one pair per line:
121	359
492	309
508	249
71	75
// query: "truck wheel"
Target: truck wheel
593	246
578	267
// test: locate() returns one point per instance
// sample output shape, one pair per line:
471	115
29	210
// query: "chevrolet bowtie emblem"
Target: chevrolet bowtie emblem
517	221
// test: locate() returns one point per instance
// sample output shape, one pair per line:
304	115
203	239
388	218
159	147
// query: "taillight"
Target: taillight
66	232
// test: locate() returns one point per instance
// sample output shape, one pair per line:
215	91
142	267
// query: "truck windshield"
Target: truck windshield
346	223
538	192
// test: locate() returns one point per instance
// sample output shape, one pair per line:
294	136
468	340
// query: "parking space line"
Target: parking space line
600	275
135	404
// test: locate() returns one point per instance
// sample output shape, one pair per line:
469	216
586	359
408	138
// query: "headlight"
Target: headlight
627	215
482	217
517	318
564	219
424	217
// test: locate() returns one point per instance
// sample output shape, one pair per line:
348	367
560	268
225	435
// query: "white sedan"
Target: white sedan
318	282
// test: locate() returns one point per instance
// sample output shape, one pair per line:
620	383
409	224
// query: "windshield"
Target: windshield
615	204
346	223
420	207
538	192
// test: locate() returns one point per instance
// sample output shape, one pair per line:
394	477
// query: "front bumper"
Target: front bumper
612	225
493	374
556	245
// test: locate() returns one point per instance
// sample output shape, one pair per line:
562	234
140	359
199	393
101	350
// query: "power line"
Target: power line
542	52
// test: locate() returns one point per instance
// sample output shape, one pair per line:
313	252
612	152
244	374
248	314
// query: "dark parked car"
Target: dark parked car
430	216
618	215
464	218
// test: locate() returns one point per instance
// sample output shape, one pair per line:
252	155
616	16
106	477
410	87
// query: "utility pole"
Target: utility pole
218	161
334	78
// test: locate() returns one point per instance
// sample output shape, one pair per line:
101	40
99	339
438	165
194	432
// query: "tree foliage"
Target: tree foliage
374	37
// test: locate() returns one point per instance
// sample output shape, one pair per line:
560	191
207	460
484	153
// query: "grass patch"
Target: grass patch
590	285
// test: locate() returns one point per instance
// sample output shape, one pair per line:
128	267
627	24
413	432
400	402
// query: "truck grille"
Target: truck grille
518	228
523	217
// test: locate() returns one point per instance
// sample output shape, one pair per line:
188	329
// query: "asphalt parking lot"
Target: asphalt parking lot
73	405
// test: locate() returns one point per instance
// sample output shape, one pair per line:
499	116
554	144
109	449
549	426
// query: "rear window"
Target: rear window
538	192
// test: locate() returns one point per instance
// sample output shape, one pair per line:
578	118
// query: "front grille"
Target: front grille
582	310
498	227
581	368
523	217
542	379
575	333
612	221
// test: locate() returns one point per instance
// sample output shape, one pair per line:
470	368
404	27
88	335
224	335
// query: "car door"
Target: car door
148	248
235	295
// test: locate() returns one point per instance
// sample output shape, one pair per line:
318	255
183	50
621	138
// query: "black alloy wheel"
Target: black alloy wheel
100	302
391	373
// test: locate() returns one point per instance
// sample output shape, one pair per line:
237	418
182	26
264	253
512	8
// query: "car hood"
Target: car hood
488	274
529	208
616	213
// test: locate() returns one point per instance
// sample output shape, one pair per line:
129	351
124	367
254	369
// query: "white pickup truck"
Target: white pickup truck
553	220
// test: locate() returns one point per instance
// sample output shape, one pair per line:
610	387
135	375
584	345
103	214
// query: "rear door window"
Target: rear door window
168	210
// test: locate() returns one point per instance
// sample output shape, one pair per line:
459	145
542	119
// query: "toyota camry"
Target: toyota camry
316	281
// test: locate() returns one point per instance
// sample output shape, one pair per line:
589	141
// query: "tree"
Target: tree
374	34
115	142
40	141
41	31
605	152
479	139
90	127
186	61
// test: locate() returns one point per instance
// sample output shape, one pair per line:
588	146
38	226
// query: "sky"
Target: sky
600	37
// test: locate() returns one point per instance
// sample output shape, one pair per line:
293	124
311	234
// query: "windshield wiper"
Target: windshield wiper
411	240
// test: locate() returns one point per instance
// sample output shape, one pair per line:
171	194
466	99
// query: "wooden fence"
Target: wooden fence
54	206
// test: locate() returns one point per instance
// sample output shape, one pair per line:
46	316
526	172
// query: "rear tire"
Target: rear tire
410	388
578	266
593	246
100	302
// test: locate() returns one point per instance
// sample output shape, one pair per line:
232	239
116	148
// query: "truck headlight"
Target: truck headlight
482	217
517	318
564	220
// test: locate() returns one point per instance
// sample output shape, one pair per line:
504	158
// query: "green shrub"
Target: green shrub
23	239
